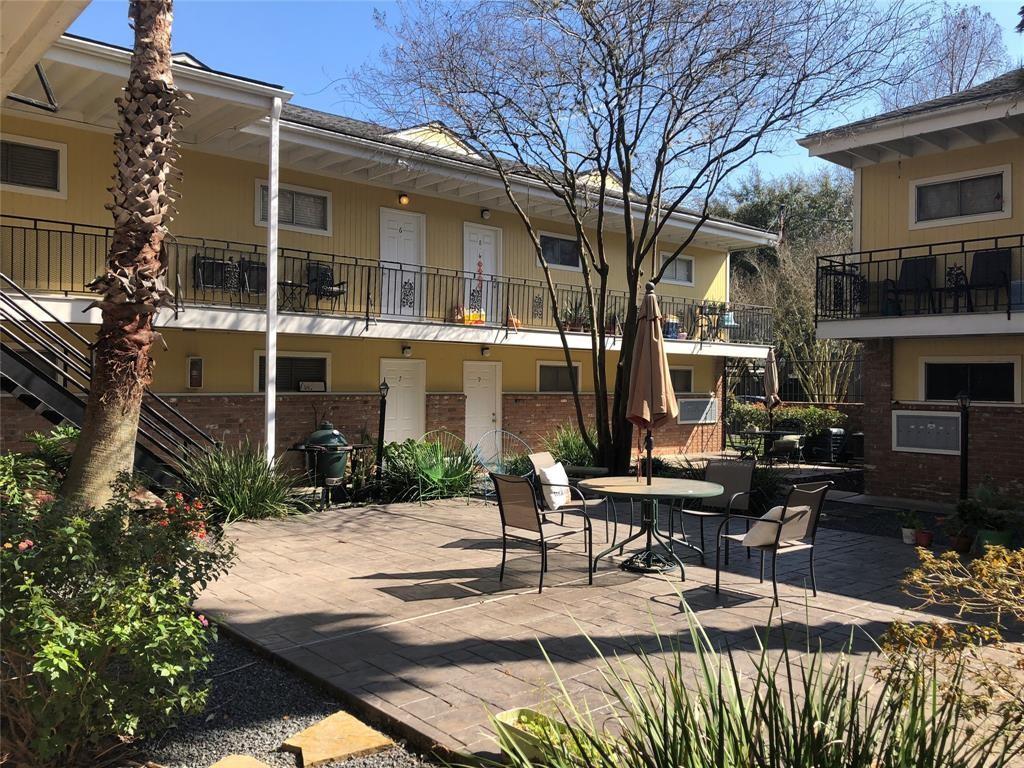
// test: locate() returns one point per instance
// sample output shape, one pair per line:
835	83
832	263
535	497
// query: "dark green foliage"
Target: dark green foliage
568	446
422	470
743	416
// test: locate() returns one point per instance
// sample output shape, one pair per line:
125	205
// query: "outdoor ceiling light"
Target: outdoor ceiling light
485	351
383	389
964	400
485	213
403	199
406	351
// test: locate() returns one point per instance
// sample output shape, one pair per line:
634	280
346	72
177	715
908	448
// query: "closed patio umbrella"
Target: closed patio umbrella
652	401
771	385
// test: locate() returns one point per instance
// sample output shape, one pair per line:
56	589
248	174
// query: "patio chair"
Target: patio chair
916	279
544	460
736	478
789	528
320	284
517	504
745	450
790	444
990	271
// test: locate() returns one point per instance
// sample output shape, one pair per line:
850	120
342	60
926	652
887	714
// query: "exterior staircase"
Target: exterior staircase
47	366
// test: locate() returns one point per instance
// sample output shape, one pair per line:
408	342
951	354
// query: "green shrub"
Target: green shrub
517	464
567	445
791	709
423	470
100	641
55	447
239	484
743	416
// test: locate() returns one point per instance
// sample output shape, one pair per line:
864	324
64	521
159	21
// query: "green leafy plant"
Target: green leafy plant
100	641
710	711
239	484
54	448
567	445
909	519
575	315
423	470
744	416
517	464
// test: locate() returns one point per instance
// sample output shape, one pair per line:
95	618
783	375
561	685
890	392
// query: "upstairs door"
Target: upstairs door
481	384
401	257
482	254
407	399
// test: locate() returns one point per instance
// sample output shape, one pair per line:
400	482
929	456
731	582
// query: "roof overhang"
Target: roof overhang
86	77
942	130
28	29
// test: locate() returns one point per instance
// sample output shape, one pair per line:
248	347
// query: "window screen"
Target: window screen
987	382
560	252
680	270
292	370
555	377
298	209
682	380
29	166
963	197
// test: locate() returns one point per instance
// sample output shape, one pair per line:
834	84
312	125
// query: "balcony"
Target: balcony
975	285
59	257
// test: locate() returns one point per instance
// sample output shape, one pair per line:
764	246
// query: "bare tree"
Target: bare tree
958	47
629	114
133	288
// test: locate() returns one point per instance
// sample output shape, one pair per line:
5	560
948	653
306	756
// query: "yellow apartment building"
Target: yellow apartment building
935	288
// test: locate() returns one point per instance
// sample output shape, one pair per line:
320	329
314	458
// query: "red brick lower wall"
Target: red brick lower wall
16	421
995	442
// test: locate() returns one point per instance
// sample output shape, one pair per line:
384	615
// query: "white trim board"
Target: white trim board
961	324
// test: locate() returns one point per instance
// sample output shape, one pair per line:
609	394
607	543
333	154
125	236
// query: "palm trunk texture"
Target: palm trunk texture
133	288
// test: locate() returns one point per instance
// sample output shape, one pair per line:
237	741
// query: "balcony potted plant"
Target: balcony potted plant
574	317
909	522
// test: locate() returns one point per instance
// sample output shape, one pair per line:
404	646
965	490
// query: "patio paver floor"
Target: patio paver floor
399	607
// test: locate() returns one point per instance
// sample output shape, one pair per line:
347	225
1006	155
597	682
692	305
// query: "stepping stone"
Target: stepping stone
239	761
337	737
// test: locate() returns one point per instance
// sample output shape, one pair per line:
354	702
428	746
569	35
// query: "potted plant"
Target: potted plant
574	316
909	523
526	730
923	537
960	534
993	515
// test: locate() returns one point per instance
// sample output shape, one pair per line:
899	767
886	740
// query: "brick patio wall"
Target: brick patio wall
995	448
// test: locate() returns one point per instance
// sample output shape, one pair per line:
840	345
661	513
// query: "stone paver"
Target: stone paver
400	609
337	737
239	761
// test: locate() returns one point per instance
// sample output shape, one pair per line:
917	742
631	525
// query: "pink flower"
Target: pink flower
26	544
203	620
43	497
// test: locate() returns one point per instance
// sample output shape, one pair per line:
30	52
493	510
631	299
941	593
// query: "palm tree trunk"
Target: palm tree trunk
133	288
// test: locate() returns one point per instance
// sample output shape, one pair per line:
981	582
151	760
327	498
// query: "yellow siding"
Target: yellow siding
908	353
885	196
218	201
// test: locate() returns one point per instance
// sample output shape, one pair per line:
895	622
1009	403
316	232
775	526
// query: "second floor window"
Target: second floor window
955	198
680	271
307	210
560	252
31	166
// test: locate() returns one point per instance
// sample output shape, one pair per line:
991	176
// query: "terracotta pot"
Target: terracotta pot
909	535
923	538
961	543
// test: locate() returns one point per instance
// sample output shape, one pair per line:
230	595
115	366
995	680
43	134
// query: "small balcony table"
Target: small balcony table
661	488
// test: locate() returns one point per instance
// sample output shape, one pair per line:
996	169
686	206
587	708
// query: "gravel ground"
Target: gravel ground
254	705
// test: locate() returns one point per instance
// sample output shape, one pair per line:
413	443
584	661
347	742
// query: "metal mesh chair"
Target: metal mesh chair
794	526
517	504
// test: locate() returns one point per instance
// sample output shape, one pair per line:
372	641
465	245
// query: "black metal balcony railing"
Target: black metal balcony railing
982	275
48	256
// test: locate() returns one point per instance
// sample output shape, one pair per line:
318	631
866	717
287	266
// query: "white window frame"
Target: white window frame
696	396
1006	213
257	354
560	364
683	368
62	168
571	239
922	387
680	257
260	222
931	451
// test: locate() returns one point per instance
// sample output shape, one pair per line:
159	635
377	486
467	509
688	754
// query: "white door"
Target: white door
482	255
481	383
401	256
407	399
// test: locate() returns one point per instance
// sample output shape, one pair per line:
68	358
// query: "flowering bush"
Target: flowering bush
100	639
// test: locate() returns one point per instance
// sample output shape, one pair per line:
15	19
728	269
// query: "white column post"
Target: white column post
271	345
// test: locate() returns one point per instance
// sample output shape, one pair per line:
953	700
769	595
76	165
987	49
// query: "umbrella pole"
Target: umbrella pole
649	443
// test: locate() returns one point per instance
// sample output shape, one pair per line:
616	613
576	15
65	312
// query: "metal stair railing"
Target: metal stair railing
65	357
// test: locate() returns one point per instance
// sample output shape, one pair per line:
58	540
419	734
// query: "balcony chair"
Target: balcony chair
916	279
791	443
736	478
990	271
215	274
789	528
517	505
543	461
320	284
254	276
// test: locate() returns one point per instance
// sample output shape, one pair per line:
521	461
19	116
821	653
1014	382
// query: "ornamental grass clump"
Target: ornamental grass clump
567	445
100	641
772	709
424	470
239	484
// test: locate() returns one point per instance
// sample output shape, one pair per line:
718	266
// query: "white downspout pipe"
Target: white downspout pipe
272	220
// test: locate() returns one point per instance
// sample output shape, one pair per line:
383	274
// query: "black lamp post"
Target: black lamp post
383	389
964	401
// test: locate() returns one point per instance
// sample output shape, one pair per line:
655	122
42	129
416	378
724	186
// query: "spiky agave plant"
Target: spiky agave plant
783	710
133	288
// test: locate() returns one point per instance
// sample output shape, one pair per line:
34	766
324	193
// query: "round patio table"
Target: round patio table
661	488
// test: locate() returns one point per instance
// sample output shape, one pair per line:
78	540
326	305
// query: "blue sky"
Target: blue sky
306	46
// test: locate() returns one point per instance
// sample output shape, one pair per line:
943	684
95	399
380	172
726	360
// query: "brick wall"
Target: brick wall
16	421
995	442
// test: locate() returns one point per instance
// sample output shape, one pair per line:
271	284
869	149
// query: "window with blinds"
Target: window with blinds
560	252
305	209
955	198
294	372
682	380
29	165
556	377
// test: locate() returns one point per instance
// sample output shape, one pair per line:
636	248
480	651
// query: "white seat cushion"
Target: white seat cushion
763	534
555	483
